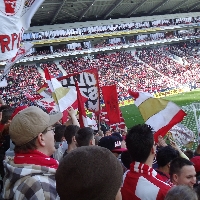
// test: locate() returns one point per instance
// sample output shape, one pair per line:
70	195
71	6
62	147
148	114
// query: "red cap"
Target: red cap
196	162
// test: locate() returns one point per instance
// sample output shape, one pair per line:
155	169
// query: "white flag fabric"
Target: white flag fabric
49	104
3	83
15	17
20	54
160	114
29	9
64	97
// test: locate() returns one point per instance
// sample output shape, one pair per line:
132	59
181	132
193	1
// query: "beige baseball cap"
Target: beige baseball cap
28	123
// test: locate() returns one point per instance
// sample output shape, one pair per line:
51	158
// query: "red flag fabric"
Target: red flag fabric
81	108
111	102
104	116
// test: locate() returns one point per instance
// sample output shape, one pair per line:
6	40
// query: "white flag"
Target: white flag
3	83
20	54
15	17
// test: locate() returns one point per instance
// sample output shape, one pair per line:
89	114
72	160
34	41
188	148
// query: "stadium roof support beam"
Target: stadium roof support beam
136	8
86	10
178	5
158	6
58	11
112	8
53	3
193	7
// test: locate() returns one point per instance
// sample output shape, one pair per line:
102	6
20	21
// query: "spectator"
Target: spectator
113	143
126	159
85	137
69	134
89	172
164	156
31	174
189	153
104	126
182	172
141	146
197	151
181	192
60	142
97	138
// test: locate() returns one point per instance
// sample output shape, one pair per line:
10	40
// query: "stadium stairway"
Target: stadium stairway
40	70
174	57
60	67
154	69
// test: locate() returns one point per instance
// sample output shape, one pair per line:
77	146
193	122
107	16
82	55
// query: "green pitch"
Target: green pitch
132	115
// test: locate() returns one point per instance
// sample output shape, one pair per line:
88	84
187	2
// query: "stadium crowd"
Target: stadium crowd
64	161
46	154
148	69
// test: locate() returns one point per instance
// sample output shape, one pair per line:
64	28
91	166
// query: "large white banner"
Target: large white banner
15	17
20	54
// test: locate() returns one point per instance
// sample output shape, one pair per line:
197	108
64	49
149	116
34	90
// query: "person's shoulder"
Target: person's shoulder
155	189
37	187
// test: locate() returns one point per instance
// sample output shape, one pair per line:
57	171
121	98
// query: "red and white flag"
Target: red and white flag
88	85
15	17
45	91
94	122
81	108
64	97
48	103
20	54
32	98
160	114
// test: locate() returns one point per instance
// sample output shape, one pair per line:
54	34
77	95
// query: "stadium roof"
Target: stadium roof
69	11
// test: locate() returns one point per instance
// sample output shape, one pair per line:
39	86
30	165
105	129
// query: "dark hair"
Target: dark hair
6	115
70	132
197	151
139	142
177	164
83	136
4	107
89	173
126	159
189	153
59	132
26	148
181	192
165	155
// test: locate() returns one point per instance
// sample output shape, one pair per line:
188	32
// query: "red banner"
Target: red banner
111	102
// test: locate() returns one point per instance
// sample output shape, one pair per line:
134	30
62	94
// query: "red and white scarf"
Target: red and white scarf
35	158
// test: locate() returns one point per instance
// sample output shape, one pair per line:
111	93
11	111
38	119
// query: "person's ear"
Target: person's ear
119	195
91	142
168	164
175	179
40	139
153	150
74	139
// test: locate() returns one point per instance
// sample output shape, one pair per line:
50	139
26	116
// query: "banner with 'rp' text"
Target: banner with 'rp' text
15	18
